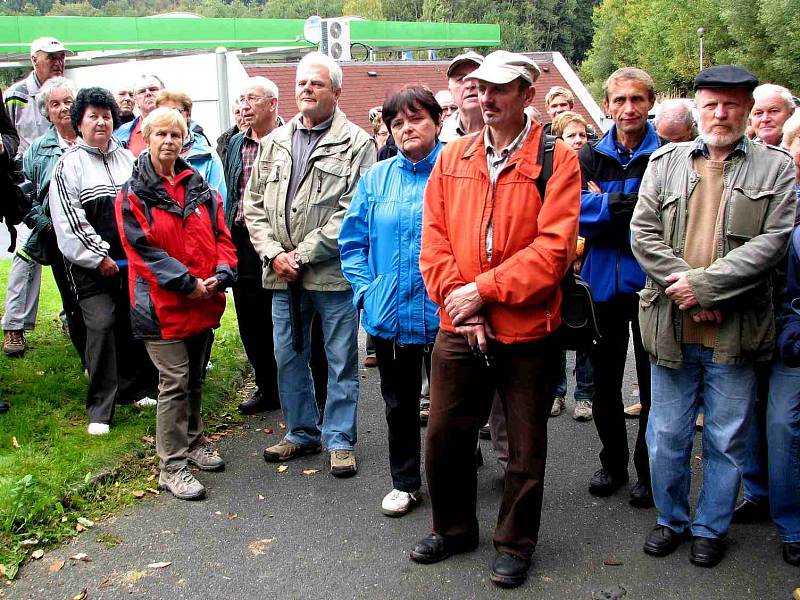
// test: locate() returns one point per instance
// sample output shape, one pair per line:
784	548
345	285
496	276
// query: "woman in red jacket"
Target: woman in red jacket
180	259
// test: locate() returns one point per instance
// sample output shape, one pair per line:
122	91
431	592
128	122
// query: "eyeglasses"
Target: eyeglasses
253	99
152	89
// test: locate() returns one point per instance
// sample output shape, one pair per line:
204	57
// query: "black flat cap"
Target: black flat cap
725	76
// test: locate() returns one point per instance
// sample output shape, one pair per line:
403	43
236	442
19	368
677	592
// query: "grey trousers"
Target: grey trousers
118	366
22	289
179	424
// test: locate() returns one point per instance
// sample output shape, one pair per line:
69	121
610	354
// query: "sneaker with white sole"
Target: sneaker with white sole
559	404
343	463
397	503
98	429
181	484
146	401
205	458
583	410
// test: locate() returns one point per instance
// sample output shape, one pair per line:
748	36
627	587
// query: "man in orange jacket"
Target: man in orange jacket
493	254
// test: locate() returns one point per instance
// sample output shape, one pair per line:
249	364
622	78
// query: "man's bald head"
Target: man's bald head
675	120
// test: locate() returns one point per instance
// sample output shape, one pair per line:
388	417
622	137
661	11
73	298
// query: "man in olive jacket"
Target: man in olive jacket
712	222
294	204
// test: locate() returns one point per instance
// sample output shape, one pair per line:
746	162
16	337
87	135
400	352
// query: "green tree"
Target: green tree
369	9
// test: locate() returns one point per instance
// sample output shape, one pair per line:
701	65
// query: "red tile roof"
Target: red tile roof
361	91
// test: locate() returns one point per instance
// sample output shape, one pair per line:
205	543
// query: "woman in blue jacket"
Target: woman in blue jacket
379	244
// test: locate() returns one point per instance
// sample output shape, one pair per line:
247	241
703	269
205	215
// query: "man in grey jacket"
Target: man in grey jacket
712	222
294	204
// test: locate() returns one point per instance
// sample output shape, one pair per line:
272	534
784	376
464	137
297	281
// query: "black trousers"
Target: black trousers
254	318
401	384
608	362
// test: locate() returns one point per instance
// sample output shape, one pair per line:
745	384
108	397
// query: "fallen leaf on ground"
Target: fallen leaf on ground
56	566
153	491
267	430
612	562
310	471
148	439
82	595
232	516
14	442
29	542
259	546
80	556
137	494
260	497
159	565
150	477
80	528
85	522
283	469
134	576
64	519
218	512
37	554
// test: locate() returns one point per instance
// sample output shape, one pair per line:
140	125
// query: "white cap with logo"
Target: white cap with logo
502	66
48	44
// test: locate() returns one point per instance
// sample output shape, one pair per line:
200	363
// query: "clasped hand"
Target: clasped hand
286	266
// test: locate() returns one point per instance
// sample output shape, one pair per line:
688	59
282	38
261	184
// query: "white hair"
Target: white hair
768	89
50	86
791	129
334	70
676	110
266	84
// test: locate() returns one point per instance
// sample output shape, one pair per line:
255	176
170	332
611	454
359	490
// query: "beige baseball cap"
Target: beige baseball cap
48	44
502	66
470	56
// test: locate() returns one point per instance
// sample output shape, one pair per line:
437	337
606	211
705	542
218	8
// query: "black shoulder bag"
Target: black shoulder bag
578	329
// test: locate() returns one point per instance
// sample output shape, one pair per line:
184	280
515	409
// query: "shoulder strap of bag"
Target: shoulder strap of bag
547	146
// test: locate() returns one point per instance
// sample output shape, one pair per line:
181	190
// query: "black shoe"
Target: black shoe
706	552
604	483
751	512
641	496
257	404
662	541
791	553
435	548
4	406
509	571
485	433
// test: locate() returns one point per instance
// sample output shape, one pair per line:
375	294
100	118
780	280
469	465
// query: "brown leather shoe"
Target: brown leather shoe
286	450
14	342
343	463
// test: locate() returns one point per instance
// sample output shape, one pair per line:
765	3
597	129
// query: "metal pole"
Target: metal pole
222	89
701	32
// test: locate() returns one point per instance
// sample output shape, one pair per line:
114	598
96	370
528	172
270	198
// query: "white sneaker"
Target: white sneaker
583	411
146	401
397	503
98	429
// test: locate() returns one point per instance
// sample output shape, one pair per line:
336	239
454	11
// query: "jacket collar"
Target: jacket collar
113	146
526	159
423	166
147	185
650	143
339	132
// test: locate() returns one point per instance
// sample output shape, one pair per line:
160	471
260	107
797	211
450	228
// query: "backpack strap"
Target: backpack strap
547	146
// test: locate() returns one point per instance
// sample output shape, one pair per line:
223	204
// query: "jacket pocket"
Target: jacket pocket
380	303
328	183
668	215
746	212
649	318
758	328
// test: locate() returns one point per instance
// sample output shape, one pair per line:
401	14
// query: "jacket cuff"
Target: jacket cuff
695	278
226	277
186	284
487	288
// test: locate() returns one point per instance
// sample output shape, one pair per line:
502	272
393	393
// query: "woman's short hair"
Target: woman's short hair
97	97
377	123
791	129
560	122
557	90
411	98
178	97
164	117
50	86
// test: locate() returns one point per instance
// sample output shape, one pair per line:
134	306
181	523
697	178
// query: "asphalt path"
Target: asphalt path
267	534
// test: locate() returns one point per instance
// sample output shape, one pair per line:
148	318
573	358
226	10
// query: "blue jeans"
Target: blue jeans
295	386
584	385
783	442
728	393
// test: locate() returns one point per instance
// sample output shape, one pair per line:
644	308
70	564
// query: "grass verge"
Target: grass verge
54	477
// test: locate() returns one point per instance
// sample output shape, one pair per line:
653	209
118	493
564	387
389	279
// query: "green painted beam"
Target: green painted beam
138	33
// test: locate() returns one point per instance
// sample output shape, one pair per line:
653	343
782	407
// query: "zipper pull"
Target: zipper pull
548	315
319	185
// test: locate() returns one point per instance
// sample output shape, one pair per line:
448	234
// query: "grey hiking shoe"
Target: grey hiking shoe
559	404
583	411
205	458
181	484
343	463
286	450
14	342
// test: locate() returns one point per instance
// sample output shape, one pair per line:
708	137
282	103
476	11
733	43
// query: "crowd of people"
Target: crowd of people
445	232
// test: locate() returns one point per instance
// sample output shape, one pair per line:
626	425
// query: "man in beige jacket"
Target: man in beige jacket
294	204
